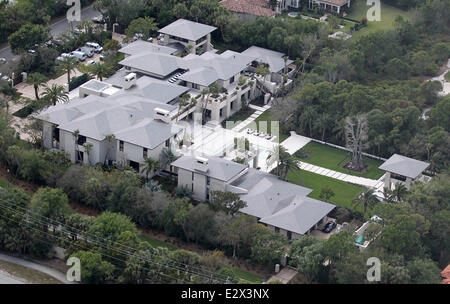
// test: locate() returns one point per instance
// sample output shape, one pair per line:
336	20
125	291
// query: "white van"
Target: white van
80	55
97	48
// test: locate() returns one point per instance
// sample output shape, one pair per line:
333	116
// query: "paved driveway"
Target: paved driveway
295	142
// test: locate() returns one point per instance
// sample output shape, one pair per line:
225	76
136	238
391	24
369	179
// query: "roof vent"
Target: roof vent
129	80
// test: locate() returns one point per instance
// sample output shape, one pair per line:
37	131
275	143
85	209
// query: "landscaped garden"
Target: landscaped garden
335	159
238	116
344	193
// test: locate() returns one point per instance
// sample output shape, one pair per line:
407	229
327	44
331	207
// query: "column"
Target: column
387	180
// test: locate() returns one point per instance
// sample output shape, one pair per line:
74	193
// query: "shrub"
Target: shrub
75	82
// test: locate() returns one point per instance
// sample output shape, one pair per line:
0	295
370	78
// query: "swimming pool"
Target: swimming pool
293	14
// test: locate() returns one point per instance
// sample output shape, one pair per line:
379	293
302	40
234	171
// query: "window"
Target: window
168	143
207	195
145	153
208	181
79	156
81	140
121	146
289	235
195	86
192	175
231	80
277	230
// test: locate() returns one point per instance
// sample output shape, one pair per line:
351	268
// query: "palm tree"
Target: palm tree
307	117
323	122
167	157
68	64
56	93
99	70
87	148
183	102
388	195
110	138
399	192
367	199
150	165
36	79
288	163
75	135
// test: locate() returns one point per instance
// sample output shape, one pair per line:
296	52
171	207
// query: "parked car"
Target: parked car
102	57
329	227
98	20
138	36
32	52
150	39
2	60
90	62
86	51
97	48
80	55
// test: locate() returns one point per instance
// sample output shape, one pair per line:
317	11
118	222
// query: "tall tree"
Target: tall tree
55	93
69	65
36	79
367	199
356	135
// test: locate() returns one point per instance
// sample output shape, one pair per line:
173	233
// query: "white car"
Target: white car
2	60
97	48
90	62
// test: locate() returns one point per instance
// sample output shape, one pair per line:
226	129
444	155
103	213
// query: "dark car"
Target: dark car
329	227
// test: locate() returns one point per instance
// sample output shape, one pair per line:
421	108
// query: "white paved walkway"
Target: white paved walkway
295	142
362	181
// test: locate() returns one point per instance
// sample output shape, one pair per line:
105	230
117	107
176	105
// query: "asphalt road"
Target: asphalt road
56	28
42	268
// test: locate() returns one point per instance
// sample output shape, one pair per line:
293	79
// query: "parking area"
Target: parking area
323	235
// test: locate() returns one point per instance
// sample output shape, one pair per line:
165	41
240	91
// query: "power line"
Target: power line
186	268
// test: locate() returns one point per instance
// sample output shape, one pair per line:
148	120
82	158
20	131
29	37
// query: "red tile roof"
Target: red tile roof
446	272
251	7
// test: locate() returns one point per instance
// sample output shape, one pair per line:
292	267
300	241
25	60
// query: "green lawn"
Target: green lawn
447	76
3	183
30	275
265	117
344	192
248	276
388	15
334	159
156	243
239	116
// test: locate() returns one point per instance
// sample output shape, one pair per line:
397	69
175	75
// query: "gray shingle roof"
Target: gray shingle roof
140	46
187	29
404	166
203	76
279	203
159	64
95	85
272	58
300	215
148	133
218	168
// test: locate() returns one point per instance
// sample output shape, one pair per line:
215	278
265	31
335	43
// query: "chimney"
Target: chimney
129	81
201	164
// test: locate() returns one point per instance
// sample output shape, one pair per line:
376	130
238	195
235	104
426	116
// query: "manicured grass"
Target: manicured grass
388	15
334	159
344	192
265	117
156	243
239	116
447	76
30	275
248	276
